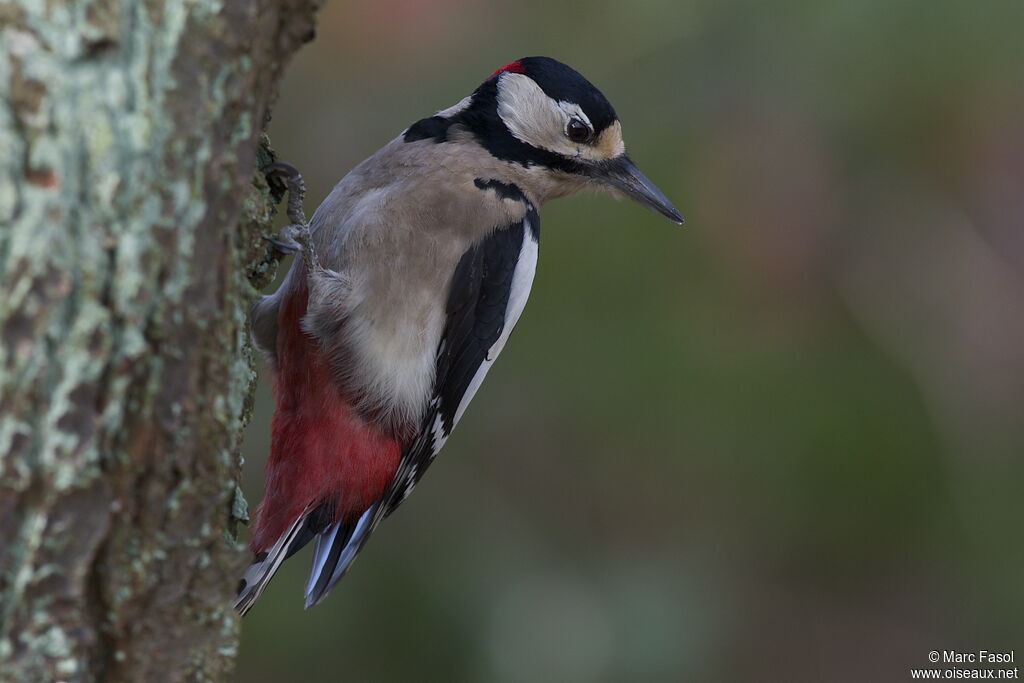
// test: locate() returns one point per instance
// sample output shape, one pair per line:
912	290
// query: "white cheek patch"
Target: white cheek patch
538	120
531	115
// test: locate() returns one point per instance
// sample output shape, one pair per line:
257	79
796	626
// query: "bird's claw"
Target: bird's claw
283	245
293	182
295	237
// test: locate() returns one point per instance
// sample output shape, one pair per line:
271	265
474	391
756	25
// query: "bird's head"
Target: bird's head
546	118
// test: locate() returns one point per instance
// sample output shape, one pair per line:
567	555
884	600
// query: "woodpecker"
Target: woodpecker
406	284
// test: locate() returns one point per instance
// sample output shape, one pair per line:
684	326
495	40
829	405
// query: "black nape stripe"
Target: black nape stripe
434	128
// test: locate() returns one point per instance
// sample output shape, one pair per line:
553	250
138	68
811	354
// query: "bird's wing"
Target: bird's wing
488	292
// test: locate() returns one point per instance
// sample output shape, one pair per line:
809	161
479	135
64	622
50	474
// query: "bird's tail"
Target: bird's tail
336	547
337	544
266	563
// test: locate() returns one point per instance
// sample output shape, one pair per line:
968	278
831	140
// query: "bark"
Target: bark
131	223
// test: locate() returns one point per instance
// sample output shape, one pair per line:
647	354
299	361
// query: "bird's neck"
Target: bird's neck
539	183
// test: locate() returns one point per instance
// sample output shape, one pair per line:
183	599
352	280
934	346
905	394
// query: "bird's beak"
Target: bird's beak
623	175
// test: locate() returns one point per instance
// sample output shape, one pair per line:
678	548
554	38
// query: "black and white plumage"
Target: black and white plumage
411	276
488	293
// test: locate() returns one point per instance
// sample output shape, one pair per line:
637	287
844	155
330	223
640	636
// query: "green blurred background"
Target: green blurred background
782	442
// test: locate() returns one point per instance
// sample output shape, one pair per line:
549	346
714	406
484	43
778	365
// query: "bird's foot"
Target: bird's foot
291	239
295	237
287	175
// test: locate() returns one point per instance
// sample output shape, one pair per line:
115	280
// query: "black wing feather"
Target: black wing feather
477	305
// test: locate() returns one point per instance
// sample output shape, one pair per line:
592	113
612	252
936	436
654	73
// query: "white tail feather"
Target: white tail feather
259	573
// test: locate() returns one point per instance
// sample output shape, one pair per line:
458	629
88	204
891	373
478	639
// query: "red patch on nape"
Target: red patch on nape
515	67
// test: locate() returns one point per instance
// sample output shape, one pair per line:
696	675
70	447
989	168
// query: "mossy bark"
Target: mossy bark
132	217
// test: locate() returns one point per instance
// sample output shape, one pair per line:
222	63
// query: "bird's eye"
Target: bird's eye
577	131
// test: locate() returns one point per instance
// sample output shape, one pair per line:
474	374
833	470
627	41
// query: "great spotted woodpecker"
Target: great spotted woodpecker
407	283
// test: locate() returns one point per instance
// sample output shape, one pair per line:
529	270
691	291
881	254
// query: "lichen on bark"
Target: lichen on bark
132	217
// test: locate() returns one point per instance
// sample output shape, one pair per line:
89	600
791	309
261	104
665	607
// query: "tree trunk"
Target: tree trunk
131	224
